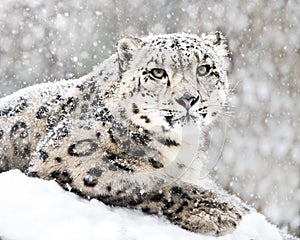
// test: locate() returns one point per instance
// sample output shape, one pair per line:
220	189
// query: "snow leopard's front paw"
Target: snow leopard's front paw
195	209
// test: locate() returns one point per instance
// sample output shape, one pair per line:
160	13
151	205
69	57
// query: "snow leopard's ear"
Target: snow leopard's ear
126	48
218	42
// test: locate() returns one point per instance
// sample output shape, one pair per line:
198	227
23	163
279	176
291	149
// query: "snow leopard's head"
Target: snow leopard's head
172	80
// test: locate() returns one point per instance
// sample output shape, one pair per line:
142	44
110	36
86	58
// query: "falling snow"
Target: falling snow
259	138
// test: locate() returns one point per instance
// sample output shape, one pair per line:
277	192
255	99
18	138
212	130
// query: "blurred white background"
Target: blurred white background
44	41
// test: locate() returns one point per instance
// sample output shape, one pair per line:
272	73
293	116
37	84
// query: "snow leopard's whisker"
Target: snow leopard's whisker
232	90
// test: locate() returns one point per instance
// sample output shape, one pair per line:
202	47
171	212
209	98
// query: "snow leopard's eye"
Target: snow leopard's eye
158	73
203	70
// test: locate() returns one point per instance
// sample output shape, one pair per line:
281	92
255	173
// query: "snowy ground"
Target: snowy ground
34	209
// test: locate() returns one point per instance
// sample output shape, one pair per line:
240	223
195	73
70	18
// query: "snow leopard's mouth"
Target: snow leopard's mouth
187	118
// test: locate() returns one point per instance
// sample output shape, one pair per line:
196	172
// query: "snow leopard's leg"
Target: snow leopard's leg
189	206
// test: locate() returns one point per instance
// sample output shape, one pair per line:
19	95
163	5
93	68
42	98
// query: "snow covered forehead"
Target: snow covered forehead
175	40
180	43
179	50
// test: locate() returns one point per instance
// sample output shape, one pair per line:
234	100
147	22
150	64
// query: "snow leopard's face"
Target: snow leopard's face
172	80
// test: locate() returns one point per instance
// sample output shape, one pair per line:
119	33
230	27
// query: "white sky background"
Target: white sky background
48	40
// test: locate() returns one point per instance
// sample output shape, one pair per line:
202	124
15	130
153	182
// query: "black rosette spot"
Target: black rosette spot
83	148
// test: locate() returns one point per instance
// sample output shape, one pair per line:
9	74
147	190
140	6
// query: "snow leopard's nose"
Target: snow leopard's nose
187	100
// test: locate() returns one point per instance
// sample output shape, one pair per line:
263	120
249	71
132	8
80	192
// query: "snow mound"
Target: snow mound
34	209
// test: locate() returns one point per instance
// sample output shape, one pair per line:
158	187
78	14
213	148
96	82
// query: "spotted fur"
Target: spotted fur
131	133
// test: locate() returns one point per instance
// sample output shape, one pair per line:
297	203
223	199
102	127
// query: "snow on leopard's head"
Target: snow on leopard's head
172	80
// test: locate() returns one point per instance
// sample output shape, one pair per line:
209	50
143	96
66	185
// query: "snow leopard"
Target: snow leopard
133	133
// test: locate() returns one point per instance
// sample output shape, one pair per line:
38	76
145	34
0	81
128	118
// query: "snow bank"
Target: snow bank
35	209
